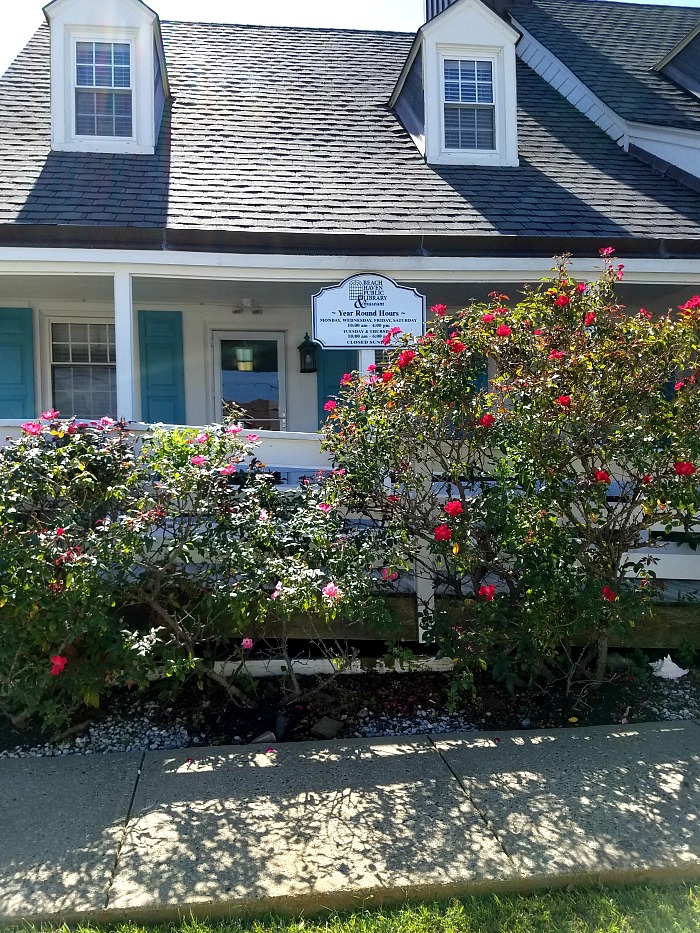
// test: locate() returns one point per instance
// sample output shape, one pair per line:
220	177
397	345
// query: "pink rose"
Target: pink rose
556	355
32	427
199	460
405	357
228	470
439	310
487	318
503	330
50	415
346	380
247	644
252	438
389	576
325	507
330	405
234	429
331	591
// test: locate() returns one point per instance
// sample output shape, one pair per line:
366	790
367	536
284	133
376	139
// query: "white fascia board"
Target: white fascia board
686	40
415	48
457	12
288	268
58	6
565	82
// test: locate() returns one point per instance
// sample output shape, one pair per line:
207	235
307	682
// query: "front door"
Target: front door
249	376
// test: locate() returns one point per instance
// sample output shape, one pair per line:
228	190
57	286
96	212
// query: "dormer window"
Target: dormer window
469	109
457	92
109	78
103	96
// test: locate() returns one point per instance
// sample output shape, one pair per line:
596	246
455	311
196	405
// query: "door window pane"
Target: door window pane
250	380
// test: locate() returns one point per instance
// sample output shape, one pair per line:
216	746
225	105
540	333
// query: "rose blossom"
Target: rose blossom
503	330
199	460
330	405
487	318
234	429
331	591
562	301
487	421
454	508
589	318
405	357
388	576
488	592
32	427
556	355
684	468
50	415
609	594
227	470
443	533
602	476
439	310
346	380
247	644
58	662
564	401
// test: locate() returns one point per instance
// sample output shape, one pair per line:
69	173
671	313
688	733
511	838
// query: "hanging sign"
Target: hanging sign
358	313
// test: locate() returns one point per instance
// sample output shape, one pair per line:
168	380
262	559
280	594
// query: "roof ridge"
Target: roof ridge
336	29
634	3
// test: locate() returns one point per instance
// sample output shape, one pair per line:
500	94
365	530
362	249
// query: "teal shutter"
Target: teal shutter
332	366
17	363
482	377
162	367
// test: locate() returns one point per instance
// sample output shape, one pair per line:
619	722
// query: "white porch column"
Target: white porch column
125	345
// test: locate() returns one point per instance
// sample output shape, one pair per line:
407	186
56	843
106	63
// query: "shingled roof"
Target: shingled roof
278	132
613	48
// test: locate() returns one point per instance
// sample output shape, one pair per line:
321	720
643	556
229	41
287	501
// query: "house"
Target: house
173	195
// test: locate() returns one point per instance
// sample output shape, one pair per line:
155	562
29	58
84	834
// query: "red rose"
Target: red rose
646	479
405	357
439	310
58	662
556	355
609	594
562	301
454	508
443	533
564	401
387	377
684	468
602	476
456	345
487	318
488	592
692	304
487	421
581	287
644	313
503	330
589	319
330	405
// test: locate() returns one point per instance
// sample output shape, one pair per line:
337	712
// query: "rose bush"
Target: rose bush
523	498
124	558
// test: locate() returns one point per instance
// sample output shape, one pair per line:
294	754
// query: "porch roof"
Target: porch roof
281	139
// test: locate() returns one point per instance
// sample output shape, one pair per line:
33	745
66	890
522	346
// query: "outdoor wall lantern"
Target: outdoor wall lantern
308	351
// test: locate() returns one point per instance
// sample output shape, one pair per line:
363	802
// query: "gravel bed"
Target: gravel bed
137	727
142	725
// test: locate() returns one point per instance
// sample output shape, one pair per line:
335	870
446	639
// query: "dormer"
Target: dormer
682	64
457	93
108	77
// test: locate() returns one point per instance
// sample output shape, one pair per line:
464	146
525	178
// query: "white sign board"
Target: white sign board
358	313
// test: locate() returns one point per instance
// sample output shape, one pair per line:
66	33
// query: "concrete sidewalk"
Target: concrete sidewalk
345	823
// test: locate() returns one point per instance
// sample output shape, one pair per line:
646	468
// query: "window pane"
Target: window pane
60	332
85	76
84	53
122	53
121	77
103	53
80	353
60	353
103	76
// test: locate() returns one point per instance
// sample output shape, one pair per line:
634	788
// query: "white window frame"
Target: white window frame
494	106
48	318
83	138
219	334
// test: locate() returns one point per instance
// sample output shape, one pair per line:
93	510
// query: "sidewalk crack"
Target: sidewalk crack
122	840
482	816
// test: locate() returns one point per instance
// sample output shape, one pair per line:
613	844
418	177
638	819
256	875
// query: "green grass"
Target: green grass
634	909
